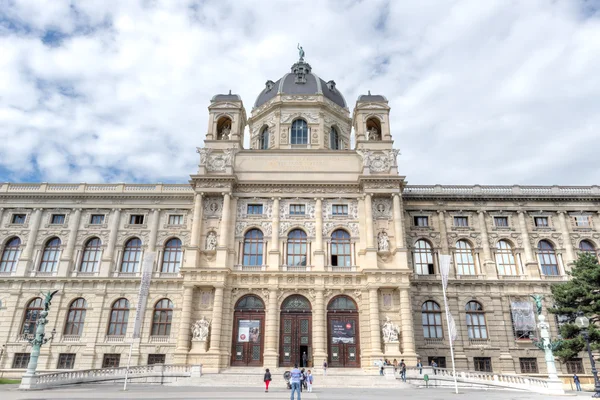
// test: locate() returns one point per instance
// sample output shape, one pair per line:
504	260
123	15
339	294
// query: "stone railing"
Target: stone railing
296	268
503	190
249	268
146	373
94	188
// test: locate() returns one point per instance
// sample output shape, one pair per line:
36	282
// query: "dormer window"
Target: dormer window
269	85
331	86
299	134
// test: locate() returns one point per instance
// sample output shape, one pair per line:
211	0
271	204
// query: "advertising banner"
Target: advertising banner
342	332
248	331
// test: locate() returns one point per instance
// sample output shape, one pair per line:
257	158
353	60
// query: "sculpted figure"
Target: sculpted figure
537	298
200	330
372	134
390	331
225	132
211	241
383	241
300	52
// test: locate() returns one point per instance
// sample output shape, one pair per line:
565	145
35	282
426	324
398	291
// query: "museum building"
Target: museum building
309	243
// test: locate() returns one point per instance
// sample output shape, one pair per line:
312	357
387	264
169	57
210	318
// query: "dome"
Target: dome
301	81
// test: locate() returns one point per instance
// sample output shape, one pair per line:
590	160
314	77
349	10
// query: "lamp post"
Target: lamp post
583	323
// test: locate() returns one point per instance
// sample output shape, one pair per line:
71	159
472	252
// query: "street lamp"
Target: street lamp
583	323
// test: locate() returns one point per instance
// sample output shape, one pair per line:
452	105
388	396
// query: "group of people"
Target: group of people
299	379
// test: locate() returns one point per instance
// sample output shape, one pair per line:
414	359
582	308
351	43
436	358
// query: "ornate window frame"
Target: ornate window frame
130	213
18	211
573	221
184	219
501	214
90	213
543	214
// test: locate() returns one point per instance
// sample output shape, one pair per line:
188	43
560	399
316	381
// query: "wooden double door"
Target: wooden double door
248	338
295	339
343	342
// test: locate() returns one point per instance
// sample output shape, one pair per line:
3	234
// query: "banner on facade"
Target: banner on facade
147	267
445	261
523	316
248	331
342	332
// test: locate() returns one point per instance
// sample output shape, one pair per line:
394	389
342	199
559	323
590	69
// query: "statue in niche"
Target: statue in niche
383	241
373	134
200	330
211	241
390	331
225	132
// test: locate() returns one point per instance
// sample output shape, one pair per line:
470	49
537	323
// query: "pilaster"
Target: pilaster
374	324
319	329
489	267
222	248
570	251
371	250
531	265
185	324
108	255
274	253
319	254
408	334
26	258
192	254
67	262
271	356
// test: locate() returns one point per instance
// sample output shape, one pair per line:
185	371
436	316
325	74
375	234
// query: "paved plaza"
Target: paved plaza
90	392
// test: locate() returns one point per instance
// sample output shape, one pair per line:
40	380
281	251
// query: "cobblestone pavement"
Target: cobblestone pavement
138	391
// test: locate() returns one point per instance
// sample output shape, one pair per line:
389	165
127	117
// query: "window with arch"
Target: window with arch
296	248
264	139
585	246
76	317
119	315
32	313
50	256
91	255
373	129
547	258
476	320
505	258
340	249
171	261
431	316
10	255
299	132
334	139
161	320
465	261
131	255
224	128
423	258
253	247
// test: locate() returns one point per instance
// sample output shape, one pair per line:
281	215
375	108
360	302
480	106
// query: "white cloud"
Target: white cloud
491	92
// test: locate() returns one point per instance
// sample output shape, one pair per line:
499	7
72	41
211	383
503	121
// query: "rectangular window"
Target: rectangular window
483	364
18	218
541	222
461	221
339	209
421	221
21	360
256	209
97	219
575	366
440	361
66	361
582	221
156	359
501	222
175	219
136	219
58	219
528	365
297	209
111	361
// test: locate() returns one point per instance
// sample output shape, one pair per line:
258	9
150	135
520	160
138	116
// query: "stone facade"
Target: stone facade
329	222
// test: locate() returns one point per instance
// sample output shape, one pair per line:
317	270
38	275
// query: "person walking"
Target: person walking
403	370
434	366
302	380
420	366
295	376
395	364
304	360
267	379
309	381
577	383
324	367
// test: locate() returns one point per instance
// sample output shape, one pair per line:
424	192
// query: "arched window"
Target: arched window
476	321
547	257
423	258
119	315
163	315
253	247
91	256
131	255
32	313
334	139
296	248
224	128
505	258
10	255
264	139
299	134
342	303
373	129
585	246
76	317
465	263
172	256
50	256
340	249
431	315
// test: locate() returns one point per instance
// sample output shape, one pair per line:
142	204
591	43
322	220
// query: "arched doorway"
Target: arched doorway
343	342
296	331
248	332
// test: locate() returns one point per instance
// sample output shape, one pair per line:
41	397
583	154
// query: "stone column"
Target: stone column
488	261
185	324
1	214
369	217
443	233
271	355
197	221
531	266
222	245
67	262
274	251
109	253
406	316
398	225
564	227
217	321
374	323
154	230
319	329
319	254
27	257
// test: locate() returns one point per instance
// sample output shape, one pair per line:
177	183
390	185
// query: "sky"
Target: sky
481	92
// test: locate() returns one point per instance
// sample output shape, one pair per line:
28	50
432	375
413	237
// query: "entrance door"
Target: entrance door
343	333
296	332
248	332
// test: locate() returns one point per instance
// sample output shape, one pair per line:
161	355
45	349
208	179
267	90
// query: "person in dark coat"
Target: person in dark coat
267	378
